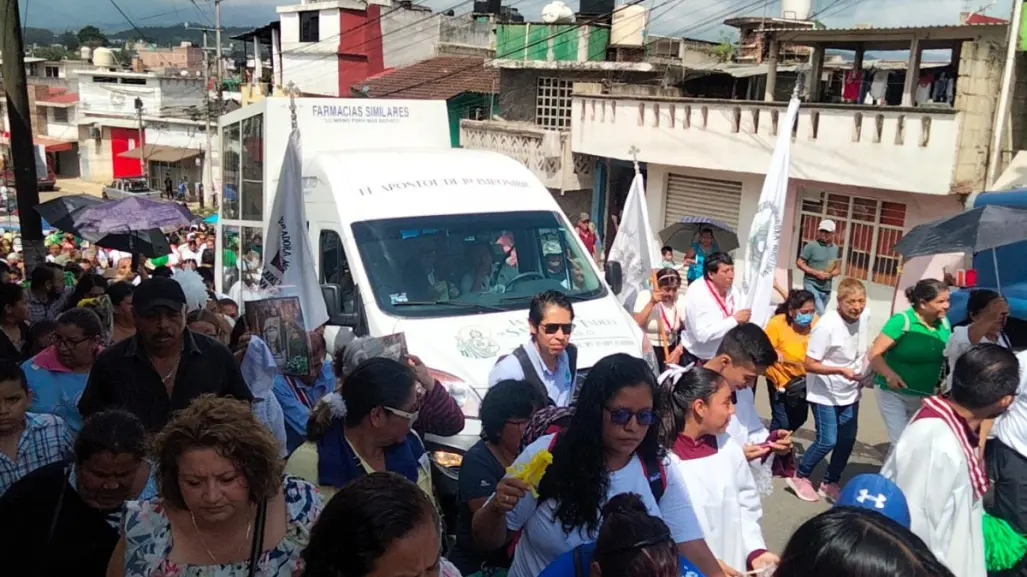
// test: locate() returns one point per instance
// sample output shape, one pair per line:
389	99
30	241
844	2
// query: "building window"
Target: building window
553	103
52	72
136	81
867	232
60	115
105	79
310	26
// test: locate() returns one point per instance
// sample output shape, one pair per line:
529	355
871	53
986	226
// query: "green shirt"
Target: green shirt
918	353
819	257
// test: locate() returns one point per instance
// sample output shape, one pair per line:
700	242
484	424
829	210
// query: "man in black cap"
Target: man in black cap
164	366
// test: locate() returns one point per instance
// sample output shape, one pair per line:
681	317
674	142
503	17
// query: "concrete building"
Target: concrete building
877	170
174	135
183	58
327	47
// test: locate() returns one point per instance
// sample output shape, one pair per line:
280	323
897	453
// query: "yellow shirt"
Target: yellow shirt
792	346
303	464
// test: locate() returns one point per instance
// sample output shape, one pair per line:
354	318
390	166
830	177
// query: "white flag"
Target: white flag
288	258
634	247
765	233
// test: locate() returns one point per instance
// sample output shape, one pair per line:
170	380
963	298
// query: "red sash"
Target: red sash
720	302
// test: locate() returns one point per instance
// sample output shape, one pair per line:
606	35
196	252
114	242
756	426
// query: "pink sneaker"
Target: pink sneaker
803	489
830	491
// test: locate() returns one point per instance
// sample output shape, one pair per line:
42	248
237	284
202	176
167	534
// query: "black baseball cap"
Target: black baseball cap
158	292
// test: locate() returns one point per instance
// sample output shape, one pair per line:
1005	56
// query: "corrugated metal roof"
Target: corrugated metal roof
872	29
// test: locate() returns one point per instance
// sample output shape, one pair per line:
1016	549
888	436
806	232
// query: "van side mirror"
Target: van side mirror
332	294
614	277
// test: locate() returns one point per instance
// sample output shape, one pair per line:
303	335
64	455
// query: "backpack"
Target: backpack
531	375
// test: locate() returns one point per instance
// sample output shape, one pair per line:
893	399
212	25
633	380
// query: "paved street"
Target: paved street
782	512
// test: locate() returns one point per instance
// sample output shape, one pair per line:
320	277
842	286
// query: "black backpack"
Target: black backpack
531	375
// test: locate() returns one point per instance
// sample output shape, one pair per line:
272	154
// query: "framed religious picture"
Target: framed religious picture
279	321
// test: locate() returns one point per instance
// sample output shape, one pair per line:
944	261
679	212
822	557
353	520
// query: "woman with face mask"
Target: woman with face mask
789	331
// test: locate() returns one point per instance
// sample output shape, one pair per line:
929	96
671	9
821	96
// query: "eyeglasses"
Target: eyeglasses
61	342
551	328
622	417
403	414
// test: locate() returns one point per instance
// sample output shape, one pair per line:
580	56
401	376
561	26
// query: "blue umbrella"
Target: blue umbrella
132	214
683	233
212	219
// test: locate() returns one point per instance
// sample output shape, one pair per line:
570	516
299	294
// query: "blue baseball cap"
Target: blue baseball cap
876	493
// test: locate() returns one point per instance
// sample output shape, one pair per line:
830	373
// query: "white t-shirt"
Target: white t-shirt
1011	427
672	317
959	343
543	538
835	343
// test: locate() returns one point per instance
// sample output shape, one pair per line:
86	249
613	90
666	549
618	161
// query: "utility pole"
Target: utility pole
998	131
142	141
217	39
208	181
23	155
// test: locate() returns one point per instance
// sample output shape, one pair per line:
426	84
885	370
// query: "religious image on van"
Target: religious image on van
279	321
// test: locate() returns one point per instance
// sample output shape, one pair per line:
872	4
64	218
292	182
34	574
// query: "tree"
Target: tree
54	53
69	40
92	37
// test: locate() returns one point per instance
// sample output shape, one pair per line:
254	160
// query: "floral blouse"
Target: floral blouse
147	533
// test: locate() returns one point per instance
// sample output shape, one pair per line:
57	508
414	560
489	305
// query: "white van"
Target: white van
377	217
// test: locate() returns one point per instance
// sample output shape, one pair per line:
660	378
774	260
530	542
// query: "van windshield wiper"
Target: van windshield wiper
459	304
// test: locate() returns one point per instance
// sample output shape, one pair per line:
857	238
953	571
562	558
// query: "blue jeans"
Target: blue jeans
782	415
820	296
836	434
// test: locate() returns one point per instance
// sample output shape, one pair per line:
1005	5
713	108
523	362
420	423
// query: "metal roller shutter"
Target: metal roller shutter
696	196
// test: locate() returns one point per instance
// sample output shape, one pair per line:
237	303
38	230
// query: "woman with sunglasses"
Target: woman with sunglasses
588	469
697	408
57	375
363	429
661	314
548	360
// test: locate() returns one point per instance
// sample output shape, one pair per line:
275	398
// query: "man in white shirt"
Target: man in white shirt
936	461
1005	457
710	307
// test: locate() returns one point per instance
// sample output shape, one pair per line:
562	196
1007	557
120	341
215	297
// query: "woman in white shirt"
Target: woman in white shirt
587	469
835	365
697	408
661	314
988	313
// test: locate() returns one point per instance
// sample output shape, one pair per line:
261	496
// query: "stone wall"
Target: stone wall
977	89
518	88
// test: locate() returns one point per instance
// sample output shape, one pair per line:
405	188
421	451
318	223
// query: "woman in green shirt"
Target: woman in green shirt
909	354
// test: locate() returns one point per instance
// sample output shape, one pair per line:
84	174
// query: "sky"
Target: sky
697	18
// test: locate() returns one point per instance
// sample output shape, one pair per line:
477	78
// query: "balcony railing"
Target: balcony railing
912	149
547	153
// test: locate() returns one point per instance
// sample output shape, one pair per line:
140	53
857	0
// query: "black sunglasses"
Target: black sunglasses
622	417
551	328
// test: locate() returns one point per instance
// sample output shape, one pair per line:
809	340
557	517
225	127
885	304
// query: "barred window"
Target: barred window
553	103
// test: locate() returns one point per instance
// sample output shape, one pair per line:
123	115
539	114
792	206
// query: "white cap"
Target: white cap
826	225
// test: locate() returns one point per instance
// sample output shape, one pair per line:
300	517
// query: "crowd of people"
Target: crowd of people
144	430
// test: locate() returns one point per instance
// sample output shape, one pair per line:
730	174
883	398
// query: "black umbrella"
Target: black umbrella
63	211
972	231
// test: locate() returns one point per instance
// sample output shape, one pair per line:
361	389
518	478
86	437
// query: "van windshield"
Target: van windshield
436	266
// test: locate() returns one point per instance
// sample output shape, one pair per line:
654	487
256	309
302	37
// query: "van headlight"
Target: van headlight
465	396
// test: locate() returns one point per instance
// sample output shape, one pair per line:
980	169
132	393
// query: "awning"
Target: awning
161	153
51	144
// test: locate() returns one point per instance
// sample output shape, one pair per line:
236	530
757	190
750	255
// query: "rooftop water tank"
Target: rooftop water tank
557	12
629	26
104	58
796	9
85	53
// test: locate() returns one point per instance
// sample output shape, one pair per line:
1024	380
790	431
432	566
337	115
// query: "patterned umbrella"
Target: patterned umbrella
132	214
66	212
683	233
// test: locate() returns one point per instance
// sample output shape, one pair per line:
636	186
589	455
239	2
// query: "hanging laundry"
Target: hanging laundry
879	86
923	88
851	84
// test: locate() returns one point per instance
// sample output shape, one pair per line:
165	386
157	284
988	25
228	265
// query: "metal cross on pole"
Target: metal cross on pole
291	90
633	151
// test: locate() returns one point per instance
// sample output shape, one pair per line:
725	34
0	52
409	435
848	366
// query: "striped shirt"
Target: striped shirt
46	439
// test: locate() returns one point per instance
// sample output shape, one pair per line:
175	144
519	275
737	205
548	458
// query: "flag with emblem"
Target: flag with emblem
765	233
288	258
635	247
